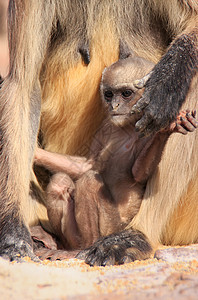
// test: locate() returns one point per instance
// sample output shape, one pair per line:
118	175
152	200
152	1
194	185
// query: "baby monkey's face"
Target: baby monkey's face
119	101
118	91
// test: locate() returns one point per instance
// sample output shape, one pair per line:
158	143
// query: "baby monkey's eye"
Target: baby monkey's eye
127	93
108	95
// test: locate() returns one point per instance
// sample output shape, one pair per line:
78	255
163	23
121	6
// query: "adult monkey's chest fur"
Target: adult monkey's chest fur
72	88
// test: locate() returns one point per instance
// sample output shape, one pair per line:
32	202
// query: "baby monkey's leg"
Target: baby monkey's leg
60	208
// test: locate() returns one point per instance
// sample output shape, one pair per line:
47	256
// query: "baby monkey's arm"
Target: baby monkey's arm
150	156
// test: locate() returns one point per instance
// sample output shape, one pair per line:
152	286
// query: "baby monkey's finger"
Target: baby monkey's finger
194	113
191	120
186	125
179	128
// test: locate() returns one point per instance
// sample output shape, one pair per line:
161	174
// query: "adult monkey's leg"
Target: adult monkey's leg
29	25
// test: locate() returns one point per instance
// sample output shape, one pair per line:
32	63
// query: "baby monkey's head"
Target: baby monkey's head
117	88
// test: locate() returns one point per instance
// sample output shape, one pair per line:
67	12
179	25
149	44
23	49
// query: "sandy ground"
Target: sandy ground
176	278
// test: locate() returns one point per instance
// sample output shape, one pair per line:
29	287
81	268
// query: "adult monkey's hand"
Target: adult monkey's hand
166	86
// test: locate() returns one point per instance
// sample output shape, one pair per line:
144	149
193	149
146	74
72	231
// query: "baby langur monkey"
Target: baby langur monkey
103	194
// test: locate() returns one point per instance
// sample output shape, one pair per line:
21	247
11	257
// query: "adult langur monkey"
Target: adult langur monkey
58	50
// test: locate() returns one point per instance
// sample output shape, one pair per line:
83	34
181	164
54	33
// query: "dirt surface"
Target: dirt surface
175	278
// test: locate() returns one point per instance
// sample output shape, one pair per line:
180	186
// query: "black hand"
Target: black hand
166	89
